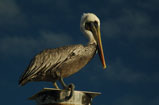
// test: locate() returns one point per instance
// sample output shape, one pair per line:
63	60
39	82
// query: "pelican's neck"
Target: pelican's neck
90	37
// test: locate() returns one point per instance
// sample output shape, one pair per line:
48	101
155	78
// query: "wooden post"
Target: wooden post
51	96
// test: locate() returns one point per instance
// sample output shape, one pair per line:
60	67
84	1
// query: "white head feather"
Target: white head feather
89	17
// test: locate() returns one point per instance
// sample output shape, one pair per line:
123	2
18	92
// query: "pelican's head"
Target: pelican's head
90	26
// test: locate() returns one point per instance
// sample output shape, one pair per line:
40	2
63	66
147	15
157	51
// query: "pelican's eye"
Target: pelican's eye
88	25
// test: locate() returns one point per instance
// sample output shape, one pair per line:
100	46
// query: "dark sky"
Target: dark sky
130	35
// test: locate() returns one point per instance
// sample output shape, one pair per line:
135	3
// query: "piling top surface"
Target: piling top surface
54	96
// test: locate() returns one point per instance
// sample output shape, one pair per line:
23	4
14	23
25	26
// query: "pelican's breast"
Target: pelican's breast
77	60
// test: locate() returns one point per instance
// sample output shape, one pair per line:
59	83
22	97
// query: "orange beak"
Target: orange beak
97	35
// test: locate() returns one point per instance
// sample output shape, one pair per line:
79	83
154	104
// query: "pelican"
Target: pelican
53	65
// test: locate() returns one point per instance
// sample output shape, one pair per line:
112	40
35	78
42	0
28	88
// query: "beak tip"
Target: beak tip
104	67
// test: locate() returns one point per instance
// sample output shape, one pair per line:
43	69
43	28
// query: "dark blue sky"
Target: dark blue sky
130	35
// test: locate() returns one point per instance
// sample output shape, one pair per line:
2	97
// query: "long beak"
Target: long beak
97	35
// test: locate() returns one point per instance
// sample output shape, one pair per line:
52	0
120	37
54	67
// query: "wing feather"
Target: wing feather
46	60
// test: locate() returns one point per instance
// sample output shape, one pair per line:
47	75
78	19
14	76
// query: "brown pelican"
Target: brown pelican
56	64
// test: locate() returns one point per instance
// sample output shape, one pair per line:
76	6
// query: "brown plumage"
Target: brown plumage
64	60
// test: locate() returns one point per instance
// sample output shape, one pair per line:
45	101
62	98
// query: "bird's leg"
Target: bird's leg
55	84
63	83
58	75
70	87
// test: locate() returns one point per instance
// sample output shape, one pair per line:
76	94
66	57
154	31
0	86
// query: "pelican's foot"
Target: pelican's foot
70	87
